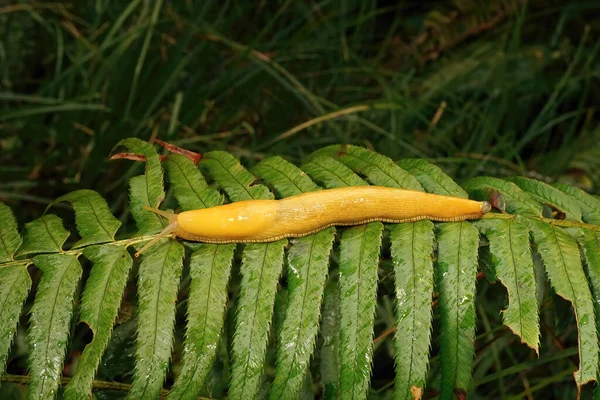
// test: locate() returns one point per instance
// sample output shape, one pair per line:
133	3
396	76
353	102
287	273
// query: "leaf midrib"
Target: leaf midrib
241	184
247	363
369	163
105	290
414	307
10	256
2	306
437	182
190	184
189	382
162	270
514	265
331	171
575	306
459	287
300	191
301	320
359	270
98	219
52	322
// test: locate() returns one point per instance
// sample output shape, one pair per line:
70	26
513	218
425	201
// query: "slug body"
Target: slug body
270	220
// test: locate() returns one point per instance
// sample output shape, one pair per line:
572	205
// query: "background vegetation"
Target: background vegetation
499	87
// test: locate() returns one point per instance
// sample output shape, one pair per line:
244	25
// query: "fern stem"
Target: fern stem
556	222
79	251
98	385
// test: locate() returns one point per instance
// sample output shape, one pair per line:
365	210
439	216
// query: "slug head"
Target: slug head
170	228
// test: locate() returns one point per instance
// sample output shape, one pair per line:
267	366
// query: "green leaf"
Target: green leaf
590	244
412	248
412	245
260	270
330	349
513	262
378	169
287	179
431	177
210	267
359	261
550	196
44	235
562	260
517	200
147	189
590	205
234	179
189	187
308	261
15	283
99	308
456	277
261	267
10	240
158	281
50	322
95	223
331	173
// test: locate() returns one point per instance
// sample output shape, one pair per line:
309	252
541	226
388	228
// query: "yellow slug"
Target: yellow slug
296	216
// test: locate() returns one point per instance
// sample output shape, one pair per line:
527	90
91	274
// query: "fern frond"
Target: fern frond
549	195
331	173
95	222
210	267
308	261
458	243
517	200
287	179
348	300
44	235
431	177
412	248
235	180
190	188
99	307
513	263
378	169
10	240
158	282
330	348
562	260
51	322
590	205
146	189
261	267
359	258
15	284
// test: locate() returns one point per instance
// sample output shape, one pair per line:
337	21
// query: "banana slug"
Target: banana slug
301	215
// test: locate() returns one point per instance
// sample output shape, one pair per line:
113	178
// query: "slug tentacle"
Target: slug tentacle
170	228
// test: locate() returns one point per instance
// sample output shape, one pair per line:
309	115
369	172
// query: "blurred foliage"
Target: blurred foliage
502	87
